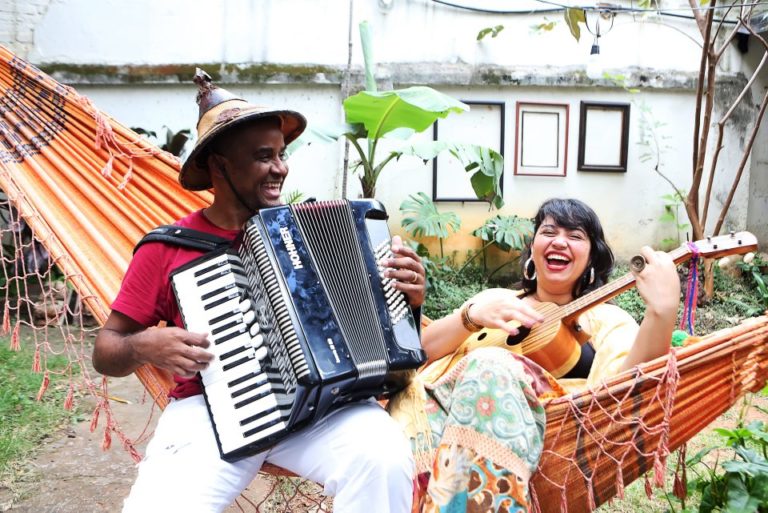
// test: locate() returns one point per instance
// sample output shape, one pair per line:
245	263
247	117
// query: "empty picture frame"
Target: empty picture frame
482	125
541	142
603	136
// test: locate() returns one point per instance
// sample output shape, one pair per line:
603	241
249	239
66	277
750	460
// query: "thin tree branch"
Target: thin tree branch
661	23
711	178
702	128
721	24
700	19
742	164
753	135
720	133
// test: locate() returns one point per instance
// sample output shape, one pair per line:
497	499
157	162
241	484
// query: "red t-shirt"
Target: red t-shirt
146	295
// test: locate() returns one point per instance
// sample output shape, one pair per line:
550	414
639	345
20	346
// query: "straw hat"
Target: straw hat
219	111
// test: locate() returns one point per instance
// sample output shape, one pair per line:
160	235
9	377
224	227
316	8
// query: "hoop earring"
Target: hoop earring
525	270
591	275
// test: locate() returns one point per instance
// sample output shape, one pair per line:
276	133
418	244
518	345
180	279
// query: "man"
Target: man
358	453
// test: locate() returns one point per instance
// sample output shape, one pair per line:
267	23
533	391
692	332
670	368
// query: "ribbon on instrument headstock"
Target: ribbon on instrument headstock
691	290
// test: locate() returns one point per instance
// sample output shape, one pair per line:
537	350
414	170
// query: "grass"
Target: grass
26	422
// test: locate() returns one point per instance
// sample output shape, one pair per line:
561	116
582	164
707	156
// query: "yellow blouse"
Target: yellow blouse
613	332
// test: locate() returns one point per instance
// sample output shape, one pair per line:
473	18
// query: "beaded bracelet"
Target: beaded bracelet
468	323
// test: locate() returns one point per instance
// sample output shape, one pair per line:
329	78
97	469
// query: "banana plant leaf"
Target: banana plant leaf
485	164
415	107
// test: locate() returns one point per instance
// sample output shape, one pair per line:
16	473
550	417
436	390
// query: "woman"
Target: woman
477	423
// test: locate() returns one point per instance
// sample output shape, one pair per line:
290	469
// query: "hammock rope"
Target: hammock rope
87	189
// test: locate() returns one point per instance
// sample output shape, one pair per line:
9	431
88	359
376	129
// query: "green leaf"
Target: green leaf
545	26
367	45
739	499
486	181
293	197
493	31
506	232
425	220
699	456
574	16
321	134
415	107
667	217
486	164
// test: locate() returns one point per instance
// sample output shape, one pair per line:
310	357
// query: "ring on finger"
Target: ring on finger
415	278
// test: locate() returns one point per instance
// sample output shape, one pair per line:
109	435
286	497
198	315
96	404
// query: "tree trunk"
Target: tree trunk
709	278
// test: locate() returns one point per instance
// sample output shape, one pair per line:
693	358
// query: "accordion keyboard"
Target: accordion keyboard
247	399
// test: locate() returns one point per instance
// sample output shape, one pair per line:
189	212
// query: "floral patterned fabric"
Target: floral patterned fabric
478	410
487	428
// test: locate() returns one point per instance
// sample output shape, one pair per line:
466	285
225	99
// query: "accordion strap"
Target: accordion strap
184	237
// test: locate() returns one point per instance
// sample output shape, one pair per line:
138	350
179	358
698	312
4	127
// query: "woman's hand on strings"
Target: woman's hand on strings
502	309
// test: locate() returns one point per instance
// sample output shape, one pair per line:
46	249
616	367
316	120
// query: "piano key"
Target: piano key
261	353
245	359
233	435
264	431
235	331
272	424
212	264
221	300
234	383
248	318
246	387
236	351
231	322
233	377
230	314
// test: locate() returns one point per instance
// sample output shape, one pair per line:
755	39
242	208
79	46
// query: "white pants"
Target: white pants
358	453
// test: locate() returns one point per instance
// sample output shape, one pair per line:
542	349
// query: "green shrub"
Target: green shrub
447	289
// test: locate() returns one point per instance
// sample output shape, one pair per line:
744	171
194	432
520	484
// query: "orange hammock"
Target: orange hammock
89	188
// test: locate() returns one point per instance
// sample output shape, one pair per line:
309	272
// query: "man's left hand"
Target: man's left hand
406	269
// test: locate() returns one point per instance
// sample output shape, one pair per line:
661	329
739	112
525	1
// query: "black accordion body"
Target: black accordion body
300	321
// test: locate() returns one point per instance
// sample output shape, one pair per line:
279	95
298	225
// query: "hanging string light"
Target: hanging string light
594	69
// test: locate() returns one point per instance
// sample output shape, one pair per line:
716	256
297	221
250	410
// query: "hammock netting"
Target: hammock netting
79	190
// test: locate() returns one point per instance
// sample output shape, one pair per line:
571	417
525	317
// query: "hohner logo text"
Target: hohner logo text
291	248
333	350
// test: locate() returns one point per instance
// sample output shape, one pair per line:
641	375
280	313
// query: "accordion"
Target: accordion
300	320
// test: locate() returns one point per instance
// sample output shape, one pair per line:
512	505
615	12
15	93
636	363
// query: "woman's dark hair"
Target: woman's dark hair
573	214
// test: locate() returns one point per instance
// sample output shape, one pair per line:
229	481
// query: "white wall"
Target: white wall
301	31
416	41
313	170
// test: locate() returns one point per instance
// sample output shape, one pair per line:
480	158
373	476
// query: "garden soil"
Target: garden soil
72	474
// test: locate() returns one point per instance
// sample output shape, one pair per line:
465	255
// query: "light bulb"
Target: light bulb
594	68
